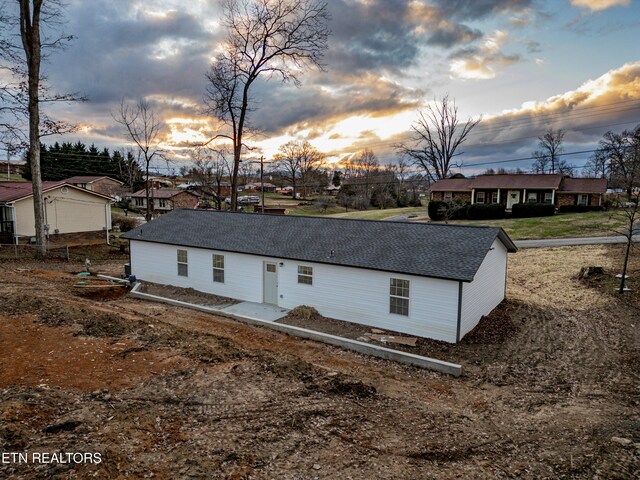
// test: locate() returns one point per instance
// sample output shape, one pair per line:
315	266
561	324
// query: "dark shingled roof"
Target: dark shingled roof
452	252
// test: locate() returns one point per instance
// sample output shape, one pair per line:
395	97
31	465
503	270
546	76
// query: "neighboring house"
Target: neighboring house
522	188
68	211
422	279
165	199
332	190
12	167
268	187
99	184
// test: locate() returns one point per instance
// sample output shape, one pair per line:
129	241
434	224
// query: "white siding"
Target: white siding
351	294
486	290
68	210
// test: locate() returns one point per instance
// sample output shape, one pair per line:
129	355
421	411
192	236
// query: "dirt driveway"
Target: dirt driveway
167	393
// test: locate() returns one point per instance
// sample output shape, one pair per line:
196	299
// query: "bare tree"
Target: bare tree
268	38
541	163
210	168
287	160
622	150
598	165
550	147
438	135
36	23
630	213
142	126
311	161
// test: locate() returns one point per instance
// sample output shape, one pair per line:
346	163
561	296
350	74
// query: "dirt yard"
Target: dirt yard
163	392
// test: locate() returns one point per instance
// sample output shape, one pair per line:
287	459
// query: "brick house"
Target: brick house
165	199
522	188
99	184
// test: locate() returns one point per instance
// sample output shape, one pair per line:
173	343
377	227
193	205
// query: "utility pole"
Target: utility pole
8	163
262	180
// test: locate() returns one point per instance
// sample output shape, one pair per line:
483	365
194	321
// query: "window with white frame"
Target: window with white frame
494	197
162	203
218	268
479	197
583	199
532	197
548	197
139	202
399	297
183	263
305	274
448	196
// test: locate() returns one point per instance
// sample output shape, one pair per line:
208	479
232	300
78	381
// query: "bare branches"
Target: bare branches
264	37
143	127
438	135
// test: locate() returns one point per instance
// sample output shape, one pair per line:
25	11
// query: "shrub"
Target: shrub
304	312
580	208
125	223
485	212
523	210
439	210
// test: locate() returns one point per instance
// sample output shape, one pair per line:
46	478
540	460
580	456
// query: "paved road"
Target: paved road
563	242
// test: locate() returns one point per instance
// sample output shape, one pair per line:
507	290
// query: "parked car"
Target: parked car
244	200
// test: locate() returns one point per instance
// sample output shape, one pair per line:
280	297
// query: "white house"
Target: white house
428	280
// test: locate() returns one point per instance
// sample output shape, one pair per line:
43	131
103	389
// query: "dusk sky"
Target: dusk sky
524	65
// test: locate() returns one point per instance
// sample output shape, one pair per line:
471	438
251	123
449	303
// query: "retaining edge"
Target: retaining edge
346	343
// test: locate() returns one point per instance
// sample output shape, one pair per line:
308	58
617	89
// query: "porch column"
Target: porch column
524	196
473	196
498	195
553	196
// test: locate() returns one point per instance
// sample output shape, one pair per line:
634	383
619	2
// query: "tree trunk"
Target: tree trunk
626	262
234	178
30	32
148	215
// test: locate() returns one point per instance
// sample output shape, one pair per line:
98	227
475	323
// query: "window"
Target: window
271	267
548	197
399	297
583	199
480	197
532	197
218	268
162	203
139	202
494	197
448	196
183	266
305	275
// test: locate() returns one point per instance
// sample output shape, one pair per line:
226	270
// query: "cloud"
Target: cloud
597	5
610	102
479	63
477	9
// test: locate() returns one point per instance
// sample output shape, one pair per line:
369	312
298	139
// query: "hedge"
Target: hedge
522	210
580	208
489	211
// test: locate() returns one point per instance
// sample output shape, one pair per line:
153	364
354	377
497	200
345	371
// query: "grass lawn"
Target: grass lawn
378	214
563	225
12	178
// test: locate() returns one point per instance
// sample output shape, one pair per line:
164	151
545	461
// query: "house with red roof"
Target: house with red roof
68	211
97	183
522	188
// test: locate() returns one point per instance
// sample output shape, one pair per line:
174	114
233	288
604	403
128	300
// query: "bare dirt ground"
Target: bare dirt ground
166	392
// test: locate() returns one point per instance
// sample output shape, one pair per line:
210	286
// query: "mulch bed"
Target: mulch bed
492	329
188	295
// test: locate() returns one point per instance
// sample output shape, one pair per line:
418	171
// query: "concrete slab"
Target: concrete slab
268	313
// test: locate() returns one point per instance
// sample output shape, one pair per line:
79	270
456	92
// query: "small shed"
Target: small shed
422	279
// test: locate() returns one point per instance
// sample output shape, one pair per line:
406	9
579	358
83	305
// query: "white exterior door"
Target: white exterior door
513	196
270	283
